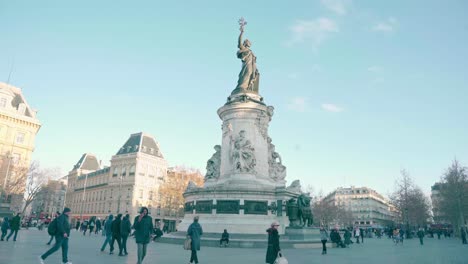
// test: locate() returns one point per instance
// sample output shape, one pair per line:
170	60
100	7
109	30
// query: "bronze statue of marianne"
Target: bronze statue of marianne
248	76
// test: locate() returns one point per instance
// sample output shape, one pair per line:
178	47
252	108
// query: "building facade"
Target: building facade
18	128
132	180
368	207
51	199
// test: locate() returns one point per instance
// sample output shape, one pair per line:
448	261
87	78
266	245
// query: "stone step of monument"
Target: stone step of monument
240	241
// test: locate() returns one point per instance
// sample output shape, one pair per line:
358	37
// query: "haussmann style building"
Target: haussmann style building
18	128
369	208
132	180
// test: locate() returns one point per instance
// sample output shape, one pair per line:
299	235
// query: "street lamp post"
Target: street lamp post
120	192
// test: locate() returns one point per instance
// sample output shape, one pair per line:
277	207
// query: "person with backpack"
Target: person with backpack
61	230
5	227
108	232
51	227
125	229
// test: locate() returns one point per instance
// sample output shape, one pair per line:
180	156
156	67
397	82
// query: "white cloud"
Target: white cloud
386	26
298	104
337	6
332	108
315	31
375	69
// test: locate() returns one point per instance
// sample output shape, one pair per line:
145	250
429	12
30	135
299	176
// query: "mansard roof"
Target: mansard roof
87	162
141	142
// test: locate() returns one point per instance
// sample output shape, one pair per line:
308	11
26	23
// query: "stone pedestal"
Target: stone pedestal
309	233
244	190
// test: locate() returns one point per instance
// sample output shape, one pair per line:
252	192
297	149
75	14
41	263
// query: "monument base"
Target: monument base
307	233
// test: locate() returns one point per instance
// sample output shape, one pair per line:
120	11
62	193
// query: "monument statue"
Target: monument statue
304	210
248	76
277	170
242	153
213	164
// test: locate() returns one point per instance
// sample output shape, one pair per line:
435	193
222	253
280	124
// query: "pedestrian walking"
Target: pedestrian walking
91	226
14	226
195	232
347	238
361	233
98	226
463	235
62	234
5	227
273	243
421	236
116	233
108	232
84	227
356	234
143	225
78	224
125	229
324	239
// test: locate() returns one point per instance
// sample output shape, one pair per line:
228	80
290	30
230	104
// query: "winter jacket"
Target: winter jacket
63	225
125	227
195	232
143	229
5	224
108	225
273	245
116	227
323	234
15	223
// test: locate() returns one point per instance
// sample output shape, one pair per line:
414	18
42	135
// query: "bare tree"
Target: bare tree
453	202
410	201
35	182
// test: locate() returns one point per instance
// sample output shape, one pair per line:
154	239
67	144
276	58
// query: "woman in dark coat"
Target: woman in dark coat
273	243
143	225
195	232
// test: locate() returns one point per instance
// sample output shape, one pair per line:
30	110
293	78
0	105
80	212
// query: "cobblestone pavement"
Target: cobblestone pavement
83	250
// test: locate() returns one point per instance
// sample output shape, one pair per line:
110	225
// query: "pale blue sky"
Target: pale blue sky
361	89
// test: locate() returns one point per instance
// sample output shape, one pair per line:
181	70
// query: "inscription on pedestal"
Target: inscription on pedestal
256	207
188	207
204	207
227	207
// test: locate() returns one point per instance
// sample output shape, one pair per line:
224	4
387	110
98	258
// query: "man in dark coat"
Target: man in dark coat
195	232
98	226
347	237
61	237
125	229
463	235
108	232
116	234
421	236
5	227
224	238
335	237
14	226
273	243
143	225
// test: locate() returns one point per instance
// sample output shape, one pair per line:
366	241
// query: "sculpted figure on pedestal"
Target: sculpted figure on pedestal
295	186
277	170
242	154
213	164
248	76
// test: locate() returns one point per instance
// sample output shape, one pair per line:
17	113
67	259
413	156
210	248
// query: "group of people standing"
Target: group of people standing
92	225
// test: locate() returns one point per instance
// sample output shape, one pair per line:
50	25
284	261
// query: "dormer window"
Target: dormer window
3	101
136	147
129	148
144	149
151	150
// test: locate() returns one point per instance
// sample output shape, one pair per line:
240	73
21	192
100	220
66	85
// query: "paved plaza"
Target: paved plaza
31	243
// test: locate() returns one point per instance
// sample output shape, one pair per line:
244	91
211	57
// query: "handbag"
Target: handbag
281	259
188	243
